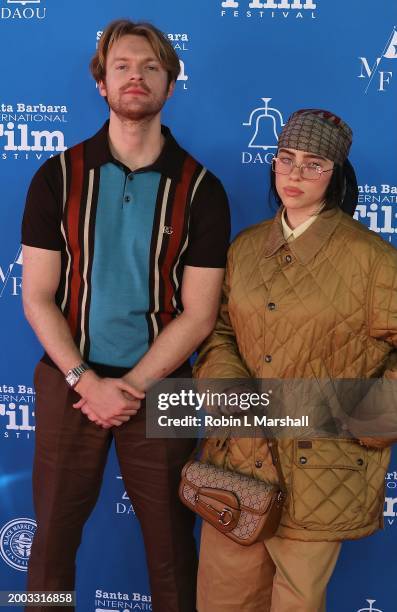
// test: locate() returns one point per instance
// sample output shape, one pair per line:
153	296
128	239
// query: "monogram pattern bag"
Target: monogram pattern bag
244	509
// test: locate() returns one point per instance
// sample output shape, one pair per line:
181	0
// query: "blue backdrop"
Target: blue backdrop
246	65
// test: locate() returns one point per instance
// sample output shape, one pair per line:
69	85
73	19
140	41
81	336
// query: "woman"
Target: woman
311	294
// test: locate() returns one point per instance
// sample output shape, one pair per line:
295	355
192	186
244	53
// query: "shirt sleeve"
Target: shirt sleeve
41	223
209	230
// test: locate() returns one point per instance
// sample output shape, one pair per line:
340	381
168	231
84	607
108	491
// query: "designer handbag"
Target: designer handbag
244	509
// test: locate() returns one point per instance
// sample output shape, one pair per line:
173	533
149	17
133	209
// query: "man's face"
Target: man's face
135	84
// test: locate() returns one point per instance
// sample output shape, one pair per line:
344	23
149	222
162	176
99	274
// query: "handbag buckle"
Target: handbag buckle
222	515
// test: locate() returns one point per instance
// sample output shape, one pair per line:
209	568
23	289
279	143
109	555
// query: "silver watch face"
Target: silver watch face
71	378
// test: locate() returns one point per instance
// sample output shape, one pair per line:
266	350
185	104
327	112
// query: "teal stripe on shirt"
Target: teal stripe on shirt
120	272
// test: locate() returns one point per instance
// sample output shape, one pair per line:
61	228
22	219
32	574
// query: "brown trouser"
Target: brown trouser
70	457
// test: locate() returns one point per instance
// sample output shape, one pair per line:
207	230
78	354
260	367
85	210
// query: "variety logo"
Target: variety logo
273	9
266	123
376	207
19	136
11	276
16	539
370	608
124	506
378	73
180	42
107	601
13	11
17	411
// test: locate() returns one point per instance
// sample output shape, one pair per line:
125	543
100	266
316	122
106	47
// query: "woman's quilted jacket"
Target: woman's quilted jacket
323	306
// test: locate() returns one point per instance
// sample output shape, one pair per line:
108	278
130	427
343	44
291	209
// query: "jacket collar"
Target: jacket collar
169	162
306	246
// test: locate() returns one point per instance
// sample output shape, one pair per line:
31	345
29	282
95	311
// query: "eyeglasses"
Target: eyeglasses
310	171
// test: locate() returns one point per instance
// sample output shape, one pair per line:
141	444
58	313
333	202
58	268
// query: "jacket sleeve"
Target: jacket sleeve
219	355
382	314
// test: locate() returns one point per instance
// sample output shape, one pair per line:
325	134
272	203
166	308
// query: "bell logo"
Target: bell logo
370	608
13	11
373	71
266	123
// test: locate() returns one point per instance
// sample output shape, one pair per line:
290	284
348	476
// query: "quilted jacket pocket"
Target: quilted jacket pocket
329	486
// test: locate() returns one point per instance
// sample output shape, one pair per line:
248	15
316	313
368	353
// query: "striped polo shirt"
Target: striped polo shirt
124	239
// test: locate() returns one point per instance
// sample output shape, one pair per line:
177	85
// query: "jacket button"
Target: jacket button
302	460
271	305
360	461
288	258
258	464
268	358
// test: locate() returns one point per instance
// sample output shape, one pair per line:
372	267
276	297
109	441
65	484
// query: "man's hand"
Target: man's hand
107	401
377	442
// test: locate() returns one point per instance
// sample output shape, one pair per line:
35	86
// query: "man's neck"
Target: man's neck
135	143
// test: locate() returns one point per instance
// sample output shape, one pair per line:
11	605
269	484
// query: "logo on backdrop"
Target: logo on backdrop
21	133
11	276
390	511
370	607
270	9
16	539
17	404
108	601
377	208
378	73
23	9
181	44
265	123
124	506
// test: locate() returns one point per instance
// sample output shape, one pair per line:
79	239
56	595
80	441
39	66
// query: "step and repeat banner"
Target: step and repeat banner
245	67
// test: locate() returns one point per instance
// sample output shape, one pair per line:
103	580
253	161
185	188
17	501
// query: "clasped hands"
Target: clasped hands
108	402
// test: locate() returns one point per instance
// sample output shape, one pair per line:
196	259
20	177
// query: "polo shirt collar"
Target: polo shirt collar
169	162
306	246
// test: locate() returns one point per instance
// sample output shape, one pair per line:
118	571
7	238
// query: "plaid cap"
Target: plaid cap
317	131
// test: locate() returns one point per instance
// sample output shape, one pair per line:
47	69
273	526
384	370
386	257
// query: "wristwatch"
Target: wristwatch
73	376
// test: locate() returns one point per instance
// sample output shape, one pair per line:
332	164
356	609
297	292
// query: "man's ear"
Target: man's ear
102	88
171	88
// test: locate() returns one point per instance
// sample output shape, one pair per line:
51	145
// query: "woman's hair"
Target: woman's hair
342	190
161	46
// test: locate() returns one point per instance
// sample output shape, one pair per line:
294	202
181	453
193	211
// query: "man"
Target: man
124	242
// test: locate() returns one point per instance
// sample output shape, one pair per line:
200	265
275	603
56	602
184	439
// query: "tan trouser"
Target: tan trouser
279	575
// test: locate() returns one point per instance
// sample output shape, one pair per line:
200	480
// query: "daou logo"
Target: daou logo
266	123
16	539
125	506
23	11
271	8
378	72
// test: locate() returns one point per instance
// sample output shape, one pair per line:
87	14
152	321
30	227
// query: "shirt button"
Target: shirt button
271	305
127	199
288	258
130	177
258	464
268	358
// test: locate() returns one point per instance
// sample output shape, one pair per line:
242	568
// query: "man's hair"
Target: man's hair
161	46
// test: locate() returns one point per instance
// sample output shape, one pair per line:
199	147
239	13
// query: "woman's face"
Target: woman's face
299	193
